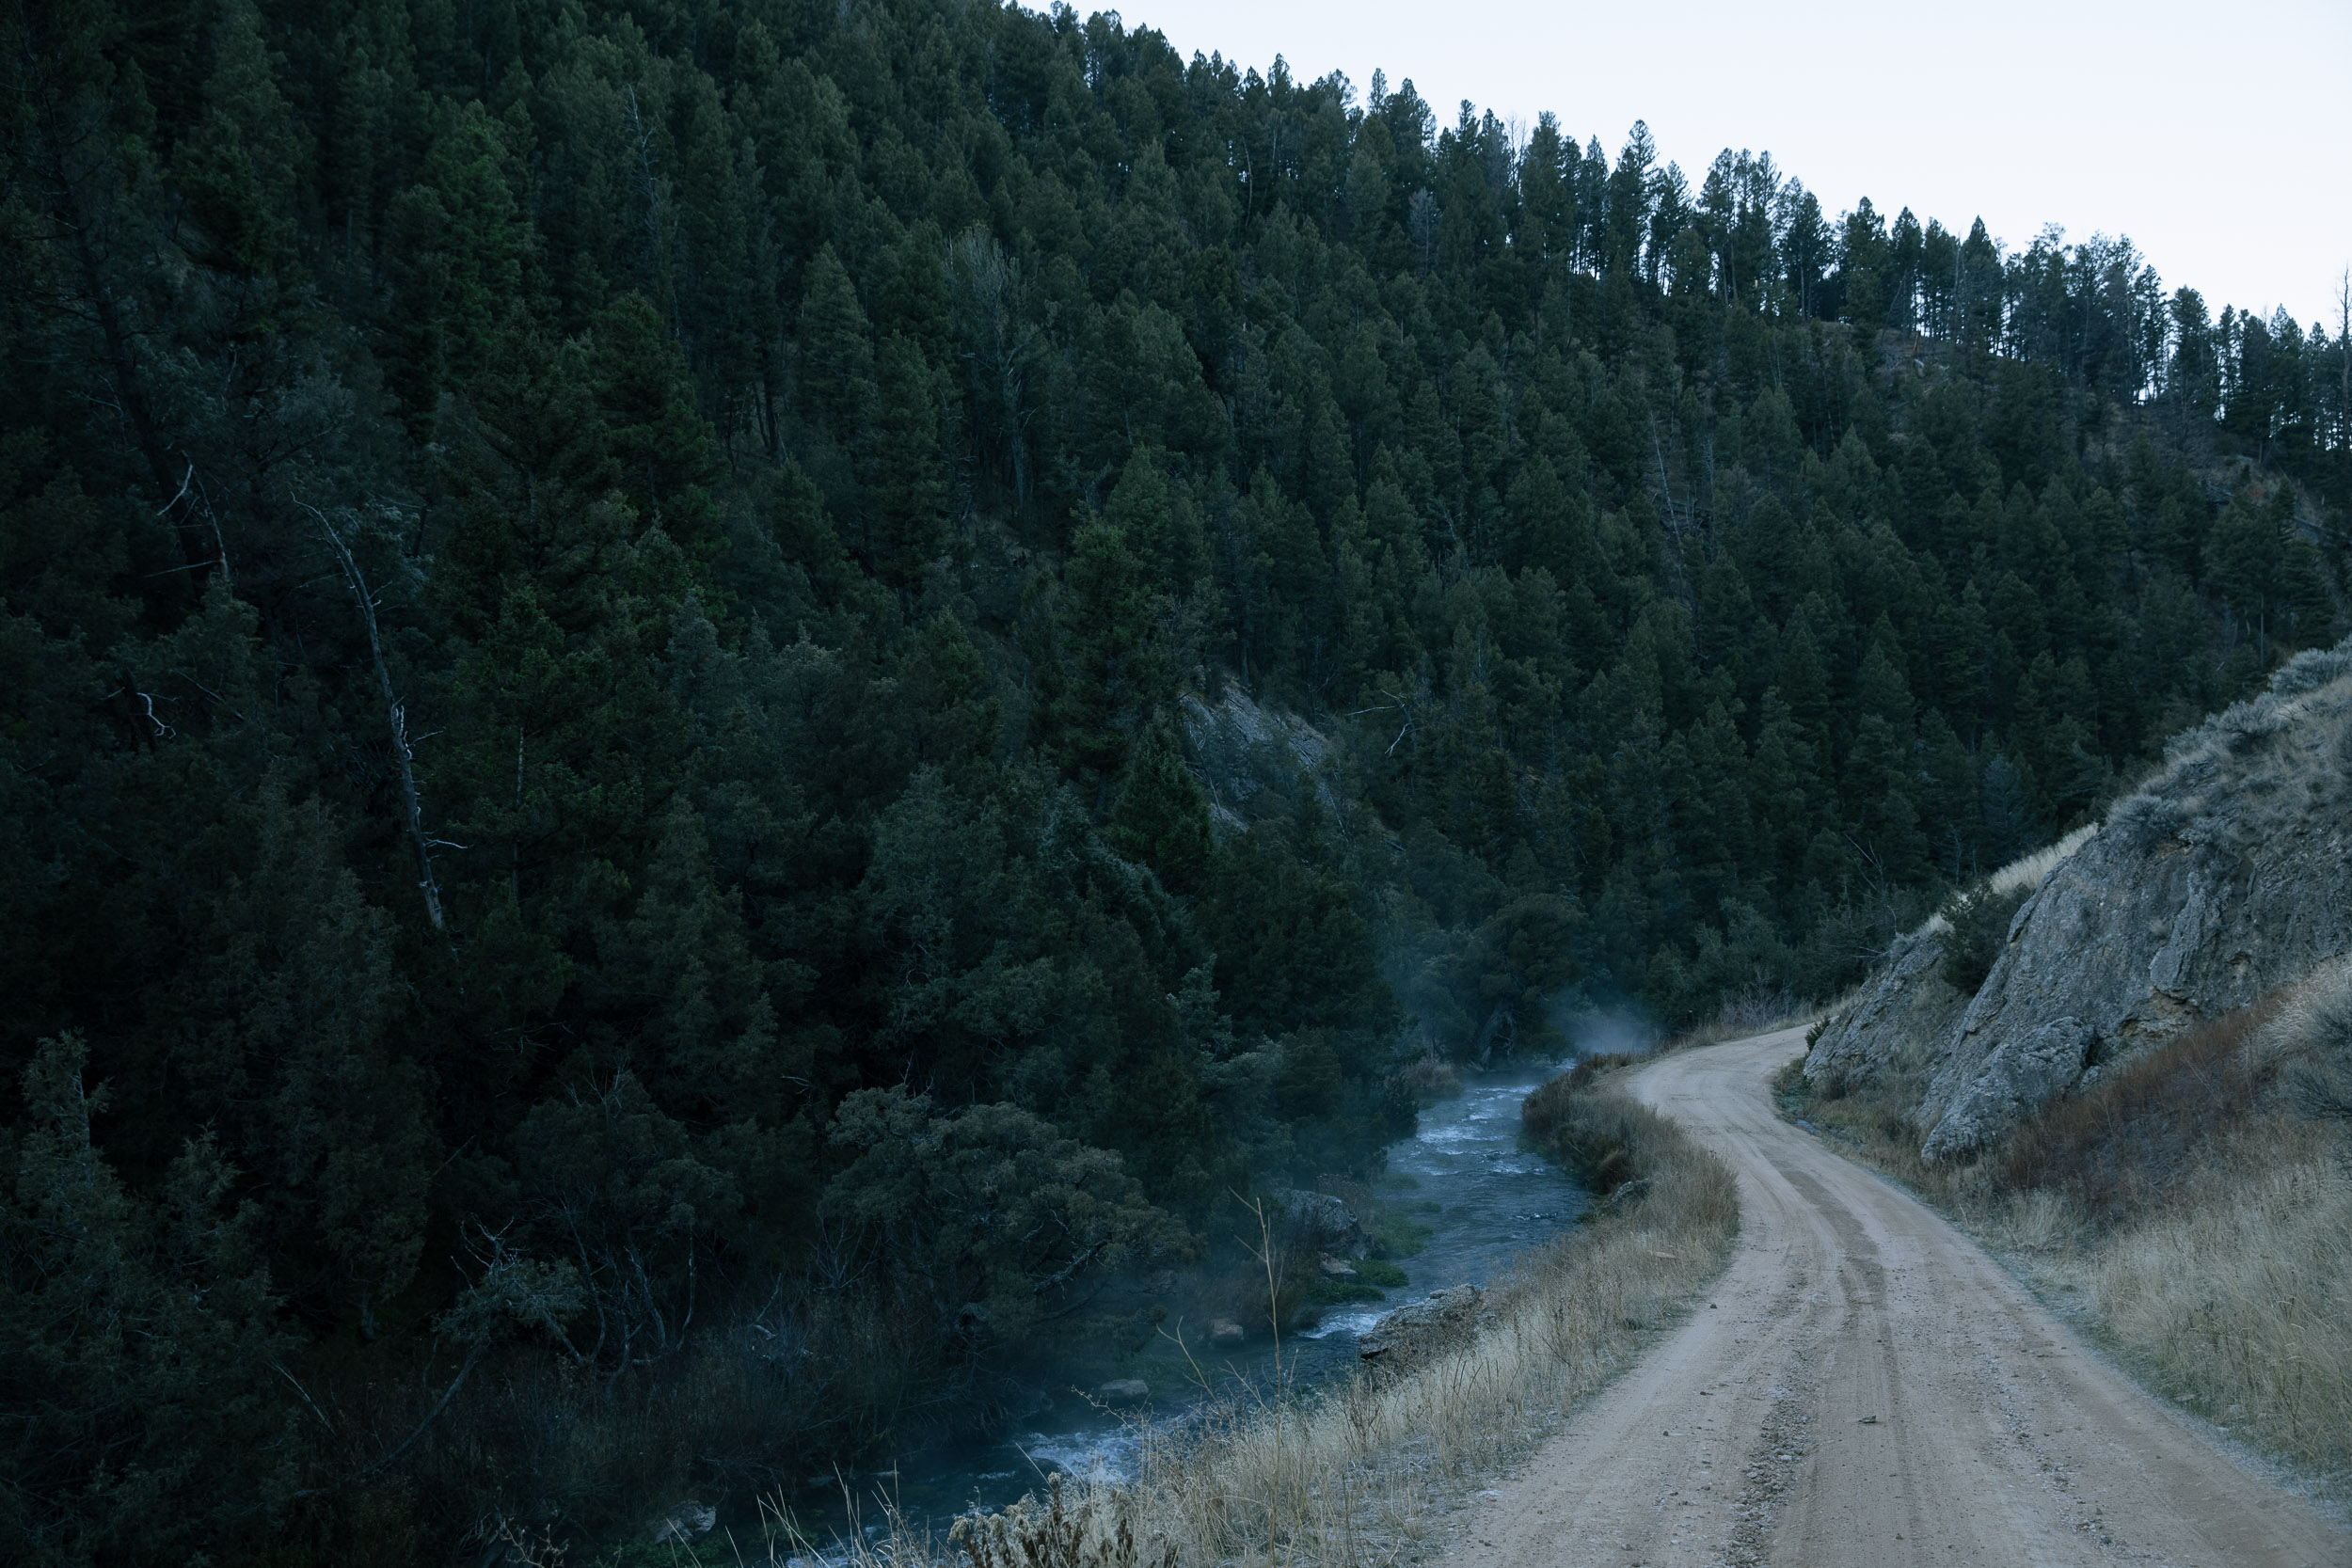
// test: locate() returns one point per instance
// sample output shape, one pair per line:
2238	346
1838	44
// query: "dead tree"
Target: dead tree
396	721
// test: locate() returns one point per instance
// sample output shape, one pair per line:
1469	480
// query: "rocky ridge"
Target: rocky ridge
2225	876
1252	760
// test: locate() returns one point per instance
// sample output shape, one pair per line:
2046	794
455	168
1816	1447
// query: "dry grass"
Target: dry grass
1364	1472
2239	1298
2124	1148
2183	1208
2028	872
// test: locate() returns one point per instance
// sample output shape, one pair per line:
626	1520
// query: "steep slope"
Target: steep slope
2224	877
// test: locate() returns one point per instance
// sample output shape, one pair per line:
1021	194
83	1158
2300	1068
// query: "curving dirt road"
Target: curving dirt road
1866	1386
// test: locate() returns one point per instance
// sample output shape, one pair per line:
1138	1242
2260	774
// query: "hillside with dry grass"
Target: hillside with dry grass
2181	1180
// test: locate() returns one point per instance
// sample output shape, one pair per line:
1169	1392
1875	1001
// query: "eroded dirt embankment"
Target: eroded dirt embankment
1865	1386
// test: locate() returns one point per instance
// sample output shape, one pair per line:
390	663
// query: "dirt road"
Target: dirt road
1865	1386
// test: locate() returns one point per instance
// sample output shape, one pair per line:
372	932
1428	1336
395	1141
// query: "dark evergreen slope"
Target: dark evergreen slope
600	893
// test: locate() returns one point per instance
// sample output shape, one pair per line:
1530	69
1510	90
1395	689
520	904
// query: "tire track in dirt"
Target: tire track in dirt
1865	1386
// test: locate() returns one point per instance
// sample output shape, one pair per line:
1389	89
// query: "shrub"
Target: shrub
2145	820
1594	1136
2137	1132
2311	670
2313	1034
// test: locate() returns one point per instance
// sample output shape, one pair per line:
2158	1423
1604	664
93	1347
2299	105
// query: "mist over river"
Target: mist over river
1463	1177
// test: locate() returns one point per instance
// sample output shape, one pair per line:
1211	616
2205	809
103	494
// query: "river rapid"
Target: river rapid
1463	1177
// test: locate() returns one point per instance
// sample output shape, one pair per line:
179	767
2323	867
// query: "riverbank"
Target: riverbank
1461	1201
1367	1469
1367	1472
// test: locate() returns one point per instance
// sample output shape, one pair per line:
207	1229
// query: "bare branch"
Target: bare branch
397	721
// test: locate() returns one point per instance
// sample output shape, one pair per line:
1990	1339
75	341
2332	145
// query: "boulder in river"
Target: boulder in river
686	1521
1336	1268
1317	1220
1411	1332
1225	1331
1124	1390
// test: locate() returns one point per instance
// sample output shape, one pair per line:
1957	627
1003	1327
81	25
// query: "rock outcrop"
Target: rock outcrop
1318	1222
1253	761
2224	876
1410	1332
1902	1009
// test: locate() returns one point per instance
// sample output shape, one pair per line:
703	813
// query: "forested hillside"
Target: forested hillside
600	892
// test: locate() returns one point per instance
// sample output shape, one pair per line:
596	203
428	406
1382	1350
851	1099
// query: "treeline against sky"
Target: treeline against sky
601	890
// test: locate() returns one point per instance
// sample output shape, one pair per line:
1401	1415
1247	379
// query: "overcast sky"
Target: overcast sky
2218	136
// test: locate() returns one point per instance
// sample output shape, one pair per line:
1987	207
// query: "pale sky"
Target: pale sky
2219	136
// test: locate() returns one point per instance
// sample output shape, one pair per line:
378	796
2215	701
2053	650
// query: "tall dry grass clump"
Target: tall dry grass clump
2238	1287
2239	1297
1360	1472
2028	871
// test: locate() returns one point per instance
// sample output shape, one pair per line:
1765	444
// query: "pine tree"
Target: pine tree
239	169
836	353
455	251
1162	819
1111	673
661	450
906	466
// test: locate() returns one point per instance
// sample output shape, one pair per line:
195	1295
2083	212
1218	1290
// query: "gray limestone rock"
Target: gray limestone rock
2228	875
1905	1004
1253	761
2023	1073
1318	1221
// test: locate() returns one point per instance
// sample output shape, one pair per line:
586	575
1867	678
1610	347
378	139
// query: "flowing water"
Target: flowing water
1463	1177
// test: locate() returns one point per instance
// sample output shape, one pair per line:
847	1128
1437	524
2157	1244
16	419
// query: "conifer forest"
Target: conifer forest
605	884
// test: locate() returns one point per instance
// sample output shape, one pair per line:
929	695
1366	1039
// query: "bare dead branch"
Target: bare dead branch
396	721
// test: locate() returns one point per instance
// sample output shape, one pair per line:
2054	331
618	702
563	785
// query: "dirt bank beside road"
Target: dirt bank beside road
1865	1386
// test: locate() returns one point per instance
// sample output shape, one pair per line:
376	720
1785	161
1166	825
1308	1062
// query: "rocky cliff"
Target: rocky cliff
1254	761
2226	876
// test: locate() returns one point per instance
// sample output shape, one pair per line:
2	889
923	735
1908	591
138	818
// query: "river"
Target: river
1463	1176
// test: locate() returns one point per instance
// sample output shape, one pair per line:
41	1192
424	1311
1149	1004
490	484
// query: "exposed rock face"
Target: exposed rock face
1253	761
1413	1331
1905	1007
2227	876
